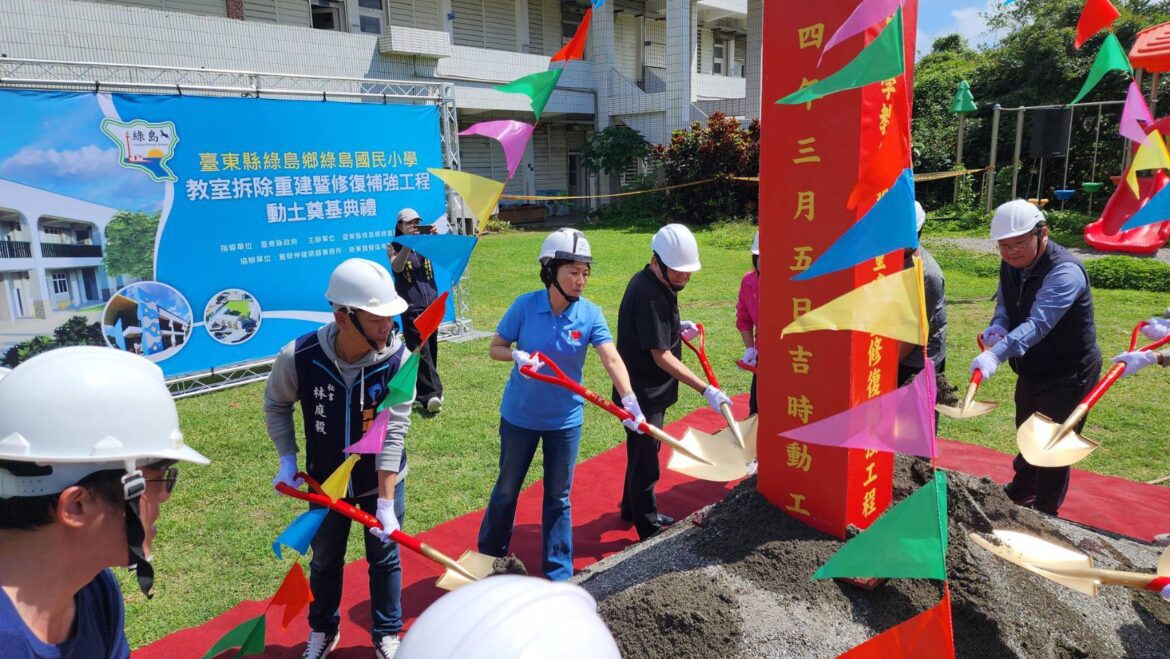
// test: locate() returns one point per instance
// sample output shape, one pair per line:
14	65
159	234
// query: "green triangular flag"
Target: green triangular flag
881	60
402	384
538	86
907	542
964	101
248	635
1111	57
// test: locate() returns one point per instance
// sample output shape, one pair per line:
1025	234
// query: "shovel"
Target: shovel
1066	566
712	462
970	408
1045	443
736	434
471	566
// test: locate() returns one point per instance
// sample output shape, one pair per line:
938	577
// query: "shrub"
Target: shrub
720	150
1129	273
74	332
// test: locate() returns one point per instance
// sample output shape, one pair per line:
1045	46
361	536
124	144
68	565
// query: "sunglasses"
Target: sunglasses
170	477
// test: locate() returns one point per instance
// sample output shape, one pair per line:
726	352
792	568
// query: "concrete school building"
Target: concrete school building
653	65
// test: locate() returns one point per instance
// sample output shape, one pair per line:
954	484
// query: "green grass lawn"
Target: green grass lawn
215	535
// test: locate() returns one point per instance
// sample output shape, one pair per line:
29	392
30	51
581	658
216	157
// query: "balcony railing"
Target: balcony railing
58	250
13	249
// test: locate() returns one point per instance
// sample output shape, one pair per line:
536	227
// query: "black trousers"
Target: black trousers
642	472
428	385
1055	398
753	407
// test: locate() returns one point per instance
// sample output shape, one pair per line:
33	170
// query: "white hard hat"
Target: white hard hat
1015	218
511	617
84	409
408	214
756	244
566	244
363	284
919	215
676	246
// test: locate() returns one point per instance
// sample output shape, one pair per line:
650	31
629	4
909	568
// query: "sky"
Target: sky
937	18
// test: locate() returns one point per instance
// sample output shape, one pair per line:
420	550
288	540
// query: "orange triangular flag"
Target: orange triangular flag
884	165
1097	14
428	321
927	634
575	49
294	595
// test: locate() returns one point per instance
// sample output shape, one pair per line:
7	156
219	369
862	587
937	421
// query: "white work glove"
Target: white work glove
715	397
287	473
993	335
753	467
524	359
688	329
388	519
750	356
1136	361
986	362
1158	329
630	404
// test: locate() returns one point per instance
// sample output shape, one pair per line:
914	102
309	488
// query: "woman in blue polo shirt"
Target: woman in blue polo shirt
557	322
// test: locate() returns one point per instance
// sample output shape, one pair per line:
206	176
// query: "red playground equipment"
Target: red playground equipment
1150	52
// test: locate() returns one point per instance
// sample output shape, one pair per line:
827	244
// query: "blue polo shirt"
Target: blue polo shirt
530	324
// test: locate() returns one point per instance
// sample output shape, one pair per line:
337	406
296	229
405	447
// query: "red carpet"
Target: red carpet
1094	500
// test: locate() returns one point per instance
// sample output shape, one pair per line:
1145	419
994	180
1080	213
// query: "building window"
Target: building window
328	14
719	57
60	283
371	14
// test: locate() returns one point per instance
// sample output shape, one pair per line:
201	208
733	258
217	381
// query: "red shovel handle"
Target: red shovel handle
701	352
562	380
345	508
745	366
1115	373
977	376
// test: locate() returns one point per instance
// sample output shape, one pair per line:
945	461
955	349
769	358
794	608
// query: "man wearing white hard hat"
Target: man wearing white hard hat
936	312
649	342
414	279
1044	327
340	374
79	494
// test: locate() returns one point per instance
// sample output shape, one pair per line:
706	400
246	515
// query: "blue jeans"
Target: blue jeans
517	446
328	564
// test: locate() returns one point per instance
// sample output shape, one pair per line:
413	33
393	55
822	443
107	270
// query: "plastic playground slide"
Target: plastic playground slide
1105	233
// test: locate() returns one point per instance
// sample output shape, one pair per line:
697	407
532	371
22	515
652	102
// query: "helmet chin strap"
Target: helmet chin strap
353	320
571	298
133	485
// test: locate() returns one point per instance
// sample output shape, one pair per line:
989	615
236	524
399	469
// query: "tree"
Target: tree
129	248
721	150
613	150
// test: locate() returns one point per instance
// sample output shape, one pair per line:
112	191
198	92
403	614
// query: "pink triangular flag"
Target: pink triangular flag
374	437
1135	116
866	15
512	135
901	421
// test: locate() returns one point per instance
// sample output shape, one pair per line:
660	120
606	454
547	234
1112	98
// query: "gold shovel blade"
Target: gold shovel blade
720	449
748	428
476	564
1040	557
1033	439
974	409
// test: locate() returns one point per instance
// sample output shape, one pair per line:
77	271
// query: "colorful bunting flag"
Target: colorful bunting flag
928	634
882	59
402	384
449	252
901	421
374	437
1111	57
868	13
248	636
893	306
888	226
1155	210
1151	155
884	165
300	533
537	86
338	482
512	135
908	542
598	3
575	49
427	322
1135	116
479	193
1096	15
294	595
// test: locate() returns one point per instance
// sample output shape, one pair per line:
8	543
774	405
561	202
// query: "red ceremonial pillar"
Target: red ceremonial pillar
811	155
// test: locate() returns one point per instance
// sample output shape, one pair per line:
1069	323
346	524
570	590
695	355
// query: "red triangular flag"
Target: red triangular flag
428	321
884	165
293	594
927	634
575	49
1097	14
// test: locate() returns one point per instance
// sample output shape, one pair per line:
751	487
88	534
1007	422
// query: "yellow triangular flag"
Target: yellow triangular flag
1151	154
480	194
892	306
338	481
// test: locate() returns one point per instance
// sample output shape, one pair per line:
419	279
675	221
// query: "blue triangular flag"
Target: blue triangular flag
300	533
889	225
449	252
596	4
1155	210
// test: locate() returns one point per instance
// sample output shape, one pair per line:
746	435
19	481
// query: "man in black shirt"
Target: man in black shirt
648	340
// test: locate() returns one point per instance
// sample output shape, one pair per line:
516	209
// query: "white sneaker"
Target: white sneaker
387	647
435	405
320	645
